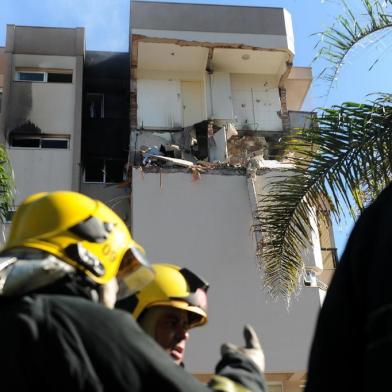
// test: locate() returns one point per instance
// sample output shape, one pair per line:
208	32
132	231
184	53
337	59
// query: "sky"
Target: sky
107	27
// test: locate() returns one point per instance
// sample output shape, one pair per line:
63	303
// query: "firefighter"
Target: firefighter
60	270
169	306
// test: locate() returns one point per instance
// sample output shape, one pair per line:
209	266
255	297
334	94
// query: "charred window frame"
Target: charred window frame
103	171
39	141
95	104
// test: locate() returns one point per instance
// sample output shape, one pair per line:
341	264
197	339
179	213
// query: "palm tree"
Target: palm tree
6	184
342	161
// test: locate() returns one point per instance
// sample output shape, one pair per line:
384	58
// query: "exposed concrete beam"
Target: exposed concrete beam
179	42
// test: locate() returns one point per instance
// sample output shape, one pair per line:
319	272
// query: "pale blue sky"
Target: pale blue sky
106	23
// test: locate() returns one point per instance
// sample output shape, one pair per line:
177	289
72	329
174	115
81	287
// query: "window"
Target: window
44	76
104	170
95	105
39	141
94	170
25	141
1	97
9	214
59	77
30	76
54	143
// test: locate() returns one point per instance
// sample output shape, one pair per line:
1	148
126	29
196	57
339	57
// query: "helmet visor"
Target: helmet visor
135	272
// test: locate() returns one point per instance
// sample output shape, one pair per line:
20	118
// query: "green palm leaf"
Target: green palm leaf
6	184
348	30
344	159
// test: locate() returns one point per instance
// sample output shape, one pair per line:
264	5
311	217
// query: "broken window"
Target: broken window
95	105
100	170
38	141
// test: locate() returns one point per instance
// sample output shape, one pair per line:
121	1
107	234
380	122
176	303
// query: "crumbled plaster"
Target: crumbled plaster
241	147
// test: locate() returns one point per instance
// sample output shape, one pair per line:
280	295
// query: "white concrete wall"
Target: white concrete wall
43	61
119	199
51	107
53	104
165	102
256	101
39	170
205	225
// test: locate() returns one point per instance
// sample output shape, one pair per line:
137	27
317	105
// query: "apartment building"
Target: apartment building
213	89
41	107
179	136
64	114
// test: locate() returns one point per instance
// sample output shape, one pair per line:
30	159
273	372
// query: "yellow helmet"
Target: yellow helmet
175	287
84	233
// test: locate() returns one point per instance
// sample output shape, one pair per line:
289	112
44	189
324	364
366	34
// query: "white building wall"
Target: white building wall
51	107
205	225
39	170
163	101
52	104
256	102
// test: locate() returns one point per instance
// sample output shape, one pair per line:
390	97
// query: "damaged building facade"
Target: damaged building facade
179	136
213	89
65	115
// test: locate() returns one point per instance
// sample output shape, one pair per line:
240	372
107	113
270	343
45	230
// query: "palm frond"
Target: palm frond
348	30
341	162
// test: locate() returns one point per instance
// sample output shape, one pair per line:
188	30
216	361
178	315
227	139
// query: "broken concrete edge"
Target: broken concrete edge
206	44
217	169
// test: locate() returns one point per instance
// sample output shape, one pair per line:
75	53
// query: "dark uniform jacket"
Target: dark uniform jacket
66	342
352	346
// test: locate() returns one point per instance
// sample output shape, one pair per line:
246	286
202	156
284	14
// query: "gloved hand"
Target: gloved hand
251	350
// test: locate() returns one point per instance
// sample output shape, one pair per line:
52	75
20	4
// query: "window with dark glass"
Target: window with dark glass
114	170
54	143
38	141
25	141
104	170
44	76
95	105
94	170
9	214
54	77
31	76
